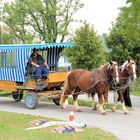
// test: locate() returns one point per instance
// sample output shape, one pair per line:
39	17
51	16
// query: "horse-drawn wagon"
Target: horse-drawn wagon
16	78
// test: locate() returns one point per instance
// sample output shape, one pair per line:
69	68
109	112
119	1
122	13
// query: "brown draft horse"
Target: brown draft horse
127	73
79	81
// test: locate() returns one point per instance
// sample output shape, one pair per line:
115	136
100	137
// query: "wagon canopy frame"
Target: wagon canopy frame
14	58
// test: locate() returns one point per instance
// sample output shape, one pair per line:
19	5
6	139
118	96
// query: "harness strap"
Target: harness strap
122	86
82	91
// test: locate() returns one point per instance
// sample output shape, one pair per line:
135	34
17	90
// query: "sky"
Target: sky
99	13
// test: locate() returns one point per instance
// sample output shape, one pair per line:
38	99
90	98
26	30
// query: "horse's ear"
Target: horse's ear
111	62
129	60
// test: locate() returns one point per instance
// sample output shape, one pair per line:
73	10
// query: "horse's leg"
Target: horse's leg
101	102
64	96
66	101
94	104
75	96
105	96
120	94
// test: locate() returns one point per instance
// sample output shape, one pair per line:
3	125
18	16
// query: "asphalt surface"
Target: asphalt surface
125	127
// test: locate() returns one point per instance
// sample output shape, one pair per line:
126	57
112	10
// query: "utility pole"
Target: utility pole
1	8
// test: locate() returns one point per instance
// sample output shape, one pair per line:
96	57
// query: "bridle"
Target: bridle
111	69
134	72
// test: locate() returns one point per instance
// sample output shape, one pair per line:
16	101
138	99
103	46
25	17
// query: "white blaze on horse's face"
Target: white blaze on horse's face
134	71
117	74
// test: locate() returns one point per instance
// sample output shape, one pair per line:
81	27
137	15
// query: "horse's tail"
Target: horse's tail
66	81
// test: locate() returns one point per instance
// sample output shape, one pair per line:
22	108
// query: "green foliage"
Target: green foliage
136	85
88	51
46	20
6	36
124	38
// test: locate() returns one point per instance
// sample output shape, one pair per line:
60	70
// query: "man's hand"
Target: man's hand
46	65
34	64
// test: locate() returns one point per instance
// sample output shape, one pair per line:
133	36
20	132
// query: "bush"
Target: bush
136	85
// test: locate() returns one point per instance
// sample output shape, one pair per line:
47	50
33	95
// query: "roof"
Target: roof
38	46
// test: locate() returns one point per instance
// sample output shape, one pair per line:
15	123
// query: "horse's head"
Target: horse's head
114	71
130	67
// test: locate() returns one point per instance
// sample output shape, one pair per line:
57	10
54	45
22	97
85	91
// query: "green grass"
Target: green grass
12	127
81	102
136	87
2	92
89	104
136	93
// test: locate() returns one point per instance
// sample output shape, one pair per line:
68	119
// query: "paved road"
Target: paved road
125	127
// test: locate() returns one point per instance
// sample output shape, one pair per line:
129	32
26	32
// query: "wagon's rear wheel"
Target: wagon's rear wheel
56	101
18	96
31	100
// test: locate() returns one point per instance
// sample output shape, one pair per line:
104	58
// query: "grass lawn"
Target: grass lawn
136	93
89	103
12	127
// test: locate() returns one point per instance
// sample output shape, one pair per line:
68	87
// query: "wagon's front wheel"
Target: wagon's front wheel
31	100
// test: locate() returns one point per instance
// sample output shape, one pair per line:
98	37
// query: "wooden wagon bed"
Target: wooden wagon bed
55	79
52	91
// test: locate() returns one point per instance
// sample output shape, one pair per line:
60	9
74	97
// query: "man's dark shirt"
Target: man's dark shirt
37	59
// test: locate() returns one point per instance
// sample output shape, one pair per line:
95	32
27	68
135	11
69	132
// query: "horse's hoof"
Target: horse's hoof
94	109
104	113
130	109
125	113
79	110
63	107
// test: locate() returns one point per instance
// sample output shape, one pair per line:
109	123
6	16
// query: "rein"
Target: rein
123	86
102	76
93	85
82	91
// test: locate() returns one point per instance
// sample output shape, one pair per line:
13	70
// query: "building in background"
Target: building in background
63	63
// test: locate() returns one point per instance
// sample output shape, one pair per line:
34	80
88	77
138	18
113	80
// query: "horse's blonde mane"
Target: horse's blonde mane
110	64
103	65
122	67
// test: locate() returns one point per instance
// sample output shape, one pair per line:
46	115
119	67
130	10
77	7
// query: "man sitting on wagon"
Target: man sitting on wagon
41	68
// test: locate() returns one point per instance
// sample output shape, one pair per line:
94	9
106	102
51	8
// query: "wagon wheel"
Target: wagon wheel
31	100
56	101
18	96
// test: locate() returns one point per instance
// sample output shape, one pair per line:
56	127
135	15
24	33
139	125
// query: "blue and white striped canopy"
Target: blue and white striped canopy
23	52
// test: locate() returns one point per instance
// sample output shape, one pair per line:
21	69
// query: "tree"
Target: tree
6	36
41	20
124	38
88	51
